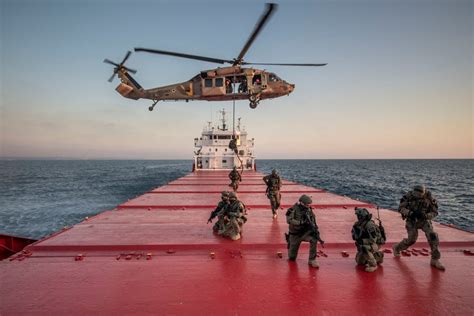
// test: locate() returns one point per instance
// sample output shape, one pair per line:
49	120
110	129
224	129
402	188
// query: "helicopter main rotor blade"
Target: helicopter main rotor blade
278	64
271	7
202	58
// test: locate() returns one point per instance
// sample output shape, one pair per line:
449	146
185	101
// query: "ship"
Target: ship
156	254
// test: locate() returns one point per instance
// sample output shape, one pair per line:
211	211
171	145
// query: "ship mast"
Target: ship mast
224	126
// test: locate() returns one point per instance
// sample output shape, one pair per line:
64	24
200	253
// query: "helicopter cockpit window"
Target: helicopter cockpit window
208	83
273	78
219	82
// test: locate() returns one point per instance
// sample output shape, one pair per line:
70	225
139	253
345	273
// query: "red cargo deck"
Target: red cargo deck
155	254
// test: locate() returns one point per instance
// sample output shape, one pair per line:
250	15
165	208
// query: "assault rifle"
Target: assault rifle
314	228
381	228
214	213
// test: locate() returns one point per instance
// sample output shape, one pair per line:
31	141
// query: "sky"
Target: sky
398	84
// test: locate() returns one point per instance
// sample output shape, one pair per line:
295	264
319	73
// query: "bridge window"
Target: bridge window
208	83
219	82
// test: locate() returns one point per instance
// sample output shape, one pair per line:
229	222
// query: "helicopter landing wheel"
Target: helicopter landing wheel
151	107
253	105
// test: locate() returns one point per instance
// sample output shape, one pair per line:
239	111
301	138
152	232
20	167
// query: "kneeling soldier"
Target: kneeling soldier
234	218
302	227
219	225
419	207
368	238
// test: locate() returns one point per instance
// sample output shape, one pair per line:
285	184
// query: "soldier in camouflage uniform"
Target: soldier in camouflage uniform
418	208
302	227
219	212
368	238
235	178
273	183
234	218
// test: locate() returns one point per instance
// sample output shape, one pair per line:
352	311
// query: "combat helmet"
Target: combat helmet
225	194
419	190
362	214
305	199
232	196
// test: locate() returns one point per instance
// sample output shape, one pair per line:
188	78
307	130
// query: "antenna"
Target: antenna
224	127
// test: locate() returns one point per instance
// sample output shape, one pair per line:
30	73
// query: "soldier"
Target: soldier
273	183
418	208
234	218
302	227
368	237
235	178
219	212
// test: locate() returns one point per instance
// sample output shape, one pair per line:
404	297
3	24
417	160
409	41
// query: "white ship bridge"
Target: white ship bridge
213	152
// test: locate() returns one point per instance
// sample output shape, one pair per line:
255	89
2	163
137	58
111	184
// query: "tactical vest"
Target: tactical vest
419	207
369	230
234	175
296	213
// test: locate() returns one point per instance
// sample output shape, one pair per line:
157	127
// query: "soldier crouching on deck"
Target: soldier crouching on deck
219	225
302	227
418	208
273	183
368	238
235	178
234	218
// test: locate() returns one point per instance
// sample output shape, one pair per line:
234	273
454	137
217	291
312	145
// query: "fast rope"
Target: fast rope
233	141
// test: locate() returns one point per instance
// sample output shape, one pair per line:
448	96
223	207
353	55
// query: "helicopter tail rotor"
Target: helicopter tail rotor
120	66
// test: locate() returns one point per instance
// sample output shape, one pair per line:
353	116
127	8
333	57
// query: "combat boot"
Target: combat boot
435	263
314	264
396	251
370	268
235	237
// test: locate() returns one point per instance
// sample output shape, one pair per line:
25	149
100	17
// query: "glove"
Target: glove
405	212
429	216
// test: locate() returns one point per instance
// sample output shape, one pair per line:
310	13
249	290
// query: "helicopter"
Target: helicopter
234	82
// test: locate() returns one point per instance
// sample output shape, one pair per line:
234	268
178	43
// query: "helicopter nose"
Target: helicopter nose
291	87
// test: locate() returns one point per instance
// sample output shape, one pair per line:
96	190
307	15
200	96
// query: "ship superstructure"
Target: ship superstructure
214	153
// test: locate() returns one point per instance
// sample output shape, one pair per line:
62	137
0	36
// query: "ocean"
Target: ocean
39	197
